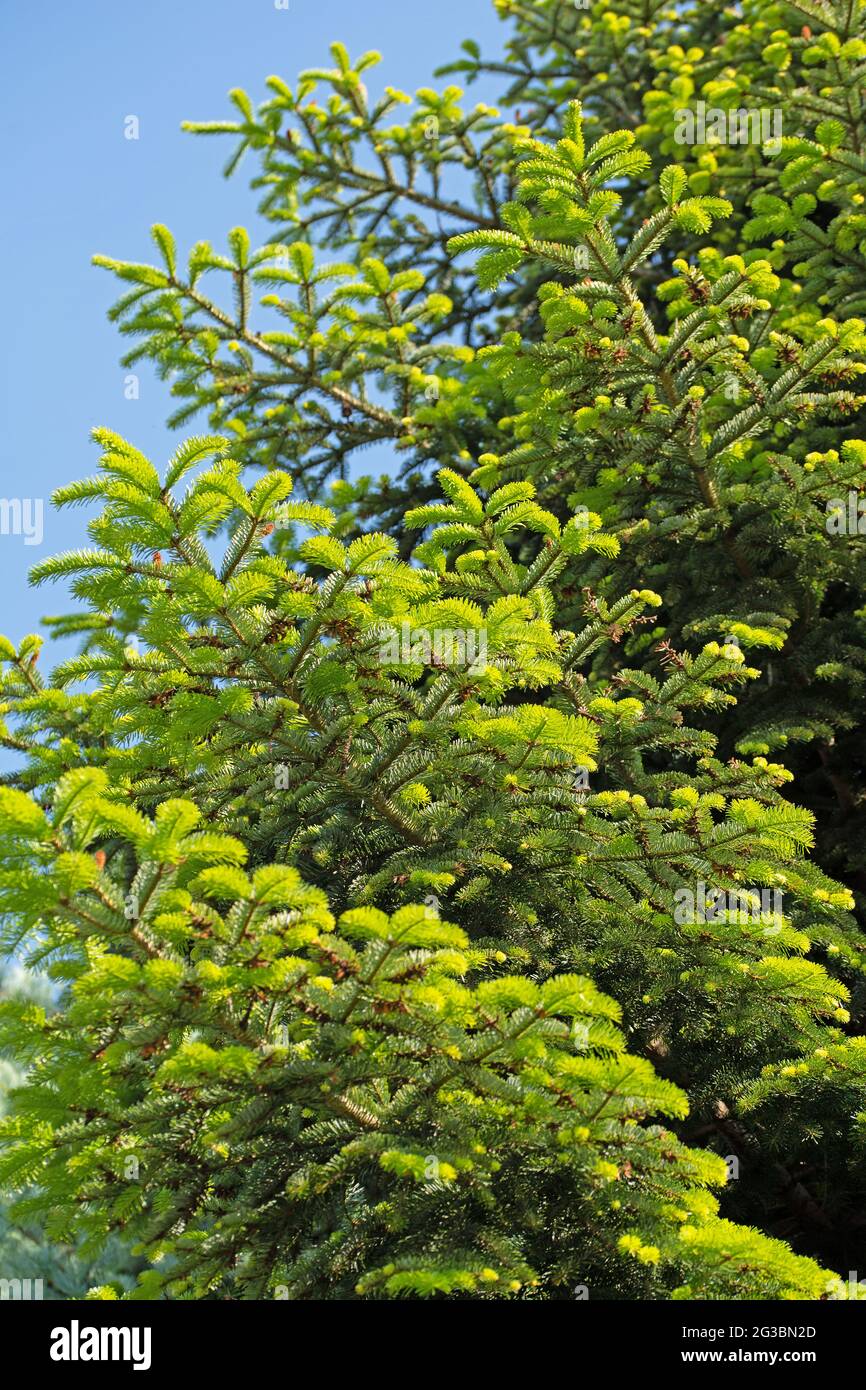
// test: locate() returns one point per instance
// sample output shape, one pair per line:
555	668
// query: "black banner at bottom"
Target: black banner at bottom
86	1340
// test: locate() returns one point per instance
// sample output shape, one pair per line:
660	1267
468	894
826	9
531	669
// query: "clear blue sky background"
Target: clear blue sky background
74	185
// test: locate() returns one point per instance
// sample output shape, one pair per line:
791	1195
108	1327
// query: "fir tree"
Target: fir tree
428	913
715	452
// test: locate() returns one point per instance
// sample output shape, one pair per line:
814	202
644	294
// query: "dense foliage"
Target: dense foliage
451	882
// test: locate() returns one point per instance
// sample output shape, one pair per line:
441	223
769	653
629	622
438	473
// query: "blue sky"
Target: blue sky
75	185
